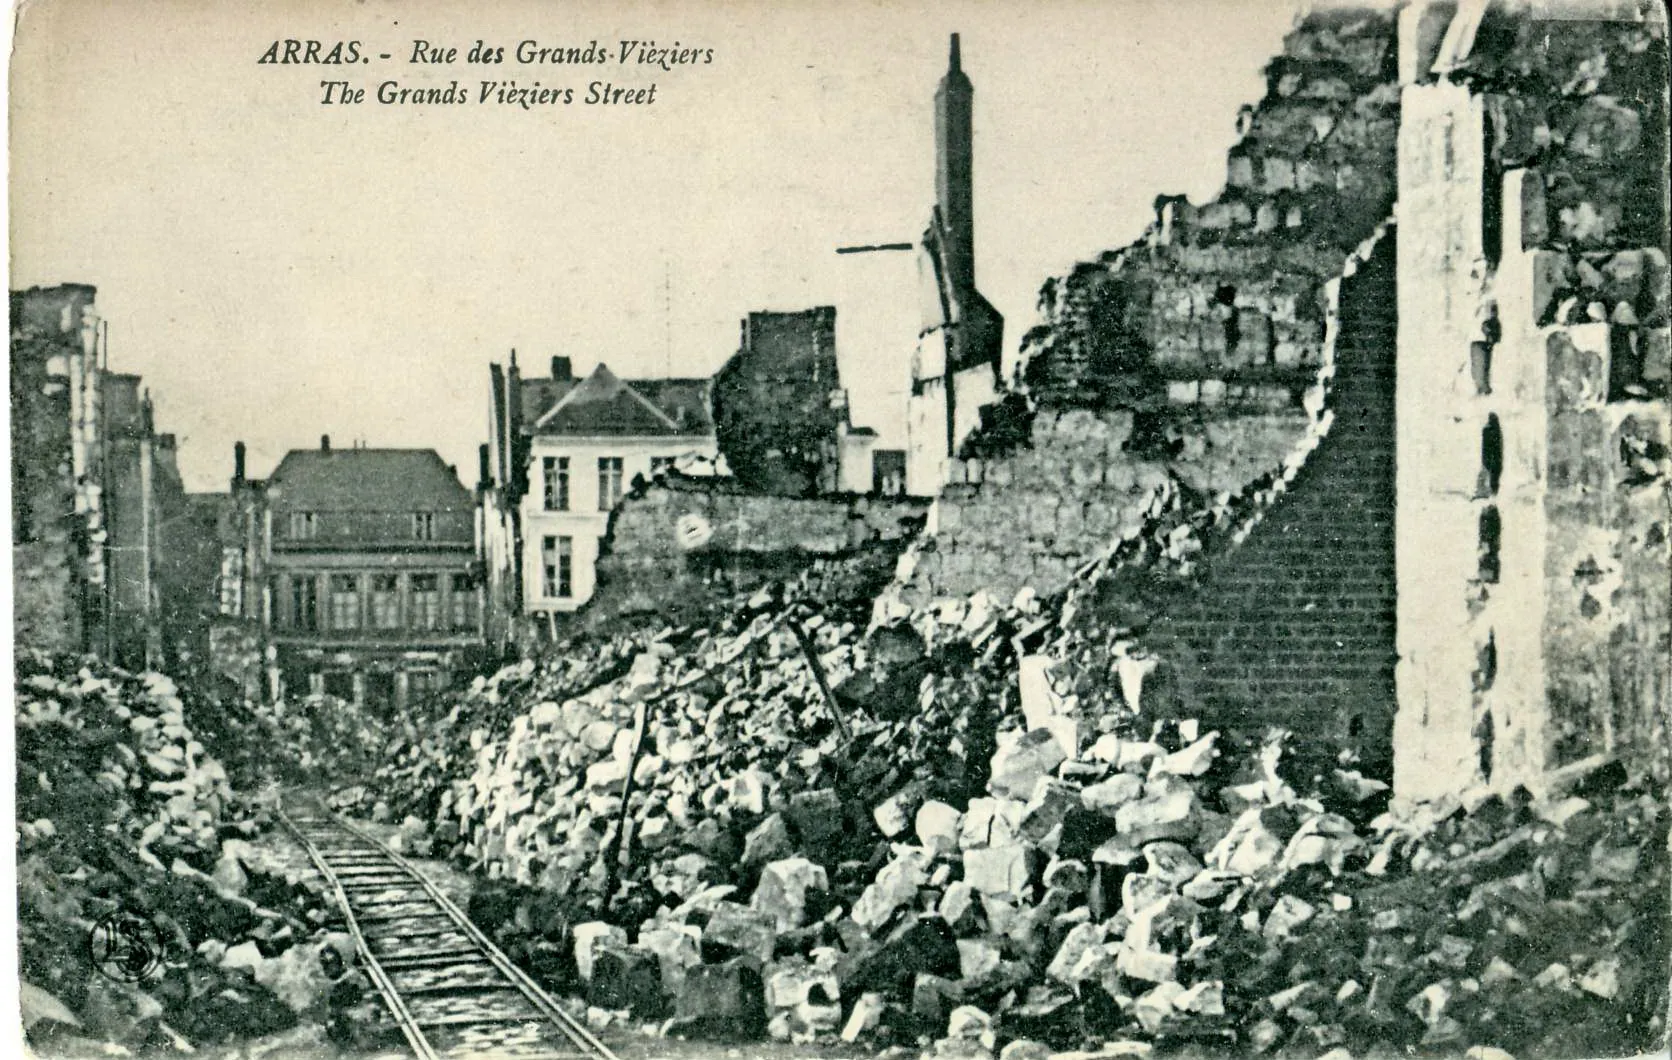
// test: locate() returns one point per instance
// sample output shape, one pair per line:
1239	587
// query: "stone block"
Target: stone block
727	1000
1022	760
587	938
627	978
782	891
921	946
741	930
1000	871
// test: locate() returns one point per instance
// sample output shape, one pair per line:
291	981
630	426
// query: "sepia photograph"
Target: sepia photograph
838	529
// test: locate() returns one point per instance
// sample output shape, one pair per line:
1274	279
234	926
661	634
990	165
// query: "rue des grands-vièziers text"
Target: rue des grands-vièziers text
629	53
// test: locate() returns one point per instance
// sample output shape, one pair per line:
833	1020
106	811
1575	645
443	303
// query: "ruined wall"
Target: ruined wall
1190	352
1230	290
1533	567
54	516
1296	625
680	543
1031	517
774	417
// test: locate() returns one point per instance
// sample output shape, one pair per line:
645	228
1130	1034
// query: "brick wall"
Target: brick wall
679	544
1296	626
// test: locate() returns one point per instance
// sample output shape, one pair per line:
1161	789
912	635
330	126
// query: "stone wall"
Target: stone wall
1533	480
1182	362
1083	482
1231	290
679	544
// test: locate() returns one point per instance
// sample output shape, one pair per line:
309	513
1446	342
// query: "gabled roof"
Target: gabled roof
604	404
539	395
367	480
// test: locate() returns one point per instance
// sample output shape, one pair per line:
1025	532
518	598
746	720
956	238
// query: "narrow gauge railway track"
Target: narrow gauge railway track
452	992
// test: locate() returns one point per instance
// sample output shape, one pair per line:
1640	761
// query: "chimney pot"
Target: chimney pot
325	443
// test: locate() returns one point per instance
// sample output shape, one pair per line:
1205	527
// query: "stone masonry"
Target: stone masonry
679	543
1182	362
57	566
1534	491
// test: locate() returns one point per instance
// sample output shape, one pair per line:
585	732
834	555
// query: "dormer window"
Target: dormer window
303	525
423	526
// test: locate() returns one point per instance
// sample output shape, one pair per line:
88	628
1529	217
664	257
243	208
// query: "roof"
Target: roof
605	404
367	480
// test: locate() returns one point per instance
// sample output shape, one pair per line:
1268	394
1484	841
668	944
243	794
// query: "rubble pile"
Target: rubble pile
314	739
958	849
129	829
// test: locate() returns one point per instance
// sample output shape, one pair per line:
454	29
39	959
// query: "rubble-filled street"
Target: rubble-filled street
944	855
1267	653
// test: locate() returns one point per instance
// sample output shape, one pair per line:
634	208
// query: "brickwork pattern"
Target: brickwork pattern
1296	626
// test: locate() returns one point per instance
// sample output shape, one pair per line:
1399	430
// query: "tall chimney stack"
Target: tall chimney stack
954	153
484	469
237	463
561	369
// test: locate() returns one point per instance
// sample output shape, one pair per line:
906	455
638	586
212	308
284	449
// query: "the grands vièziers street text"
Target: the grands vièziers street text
596	73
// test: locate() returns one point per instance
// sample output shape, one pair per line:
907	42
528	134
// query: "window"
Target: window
304	602
557	483
232	581
424	682
659	464
1491	535
557	556
426	601
386	601
423	526
345	601
609	482
461	602
303	525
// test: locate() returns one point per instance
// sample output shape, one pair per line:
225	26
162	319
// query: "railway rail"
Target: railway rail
451	991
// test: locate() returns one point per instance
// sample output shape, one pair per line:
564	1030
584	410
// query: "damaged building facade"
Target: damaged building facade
782	417
1534	494
97	499
1453	565
957	366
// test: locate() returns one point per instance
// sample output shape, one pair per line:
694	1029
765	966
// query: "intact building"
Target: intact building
352	573
564	452
956	369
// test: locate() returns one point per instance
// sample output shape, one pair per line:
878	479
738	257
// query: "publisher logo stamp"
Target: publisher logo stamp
125	947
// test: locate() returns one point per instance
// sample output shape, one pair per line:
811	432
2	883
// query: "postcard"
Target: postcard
972	531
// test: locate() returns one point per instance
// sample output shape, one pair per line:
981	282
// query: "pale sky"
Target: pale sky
278	269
